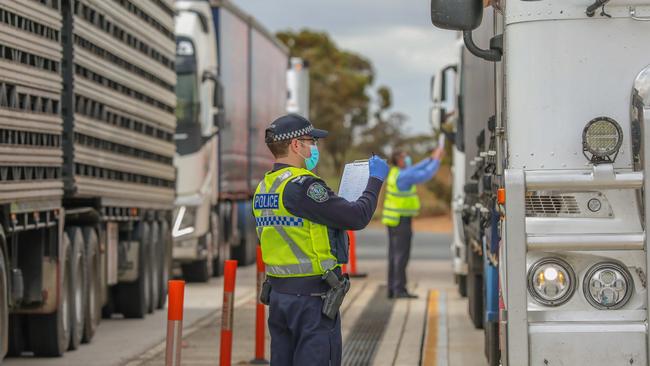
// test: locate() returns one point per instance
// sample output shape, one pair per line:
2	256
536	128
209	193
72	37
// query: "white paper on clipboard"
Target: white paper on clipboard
354	180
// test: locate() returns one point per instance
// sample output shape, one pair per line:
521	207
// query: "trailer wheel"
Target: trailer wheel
224	246
50	333
93	310
155	261
245	252
216	240
475	299
492	343
16	325
4	307
133	298
166	248
78	287
462	285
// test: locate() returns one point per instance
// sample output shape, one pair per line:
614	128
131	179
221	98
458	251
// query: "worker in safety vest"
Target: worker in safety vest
401	204
302	227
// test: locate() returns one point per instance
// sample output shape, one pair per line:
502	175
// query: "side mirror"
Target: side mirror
443	96
435	117
208	75
459	15
218	118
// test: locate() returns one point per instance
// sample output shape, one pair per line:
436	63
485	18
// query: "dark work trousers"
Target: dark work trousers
399	251
300	334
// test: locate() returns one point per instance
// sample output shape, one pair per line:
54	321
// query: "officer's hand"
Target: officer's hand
438	154
378	167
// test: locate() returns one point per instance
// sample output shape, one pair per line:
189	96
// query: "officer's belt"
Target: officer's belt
303	286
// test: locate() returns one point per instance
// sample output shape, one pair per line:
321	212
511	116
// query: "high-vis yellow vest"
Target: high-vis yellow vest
291	246
398	203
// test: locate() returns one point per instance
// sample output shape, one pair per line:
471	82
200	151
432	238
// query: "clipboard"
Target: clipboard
354	180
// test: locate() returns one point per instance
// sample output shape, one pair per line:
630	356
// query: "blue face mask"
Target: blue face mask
408	161
312	161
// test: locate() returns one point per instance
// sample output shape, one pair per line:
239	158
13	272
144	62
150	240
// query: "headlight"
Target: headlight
184	221
608	286
551	281
602	138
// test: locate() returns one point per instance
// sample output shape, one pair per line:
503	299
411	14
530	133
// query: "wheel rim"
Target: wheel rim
147	284
78	295
92	293
155	269
65	310
210	258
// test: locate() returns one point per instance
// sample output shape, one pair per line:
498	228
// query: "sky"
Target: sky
396	35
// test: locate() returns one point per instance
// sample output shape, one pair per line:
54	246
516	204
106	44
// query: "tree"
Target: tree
386	129
339	81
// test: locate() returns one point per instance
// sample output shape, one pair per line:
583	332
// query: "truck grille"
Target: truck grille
551	205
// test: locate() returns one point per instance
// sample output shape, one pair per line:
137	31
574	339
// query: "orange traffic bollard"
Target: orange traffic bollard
260	313
174	322
353	255
230	272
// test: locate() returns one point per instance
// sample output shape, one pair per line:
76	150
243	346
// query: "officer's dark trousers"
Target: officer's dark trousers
300	334
399	251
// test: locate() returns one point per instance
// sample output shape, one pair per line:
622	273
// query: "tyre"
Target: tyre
492	351
50	333
223	244
475	299
4	307
93	311
133	298
155	261
244	253
166	248
16	325
78	286
216	239
462	285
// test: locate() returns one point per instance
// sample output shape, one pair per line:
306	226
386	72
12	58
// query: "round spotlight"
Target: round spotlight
608	286
551	281
184	48
602	138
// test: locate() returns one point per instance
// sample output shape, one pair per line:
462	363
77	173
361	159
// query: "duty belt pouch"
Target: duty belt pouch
265	292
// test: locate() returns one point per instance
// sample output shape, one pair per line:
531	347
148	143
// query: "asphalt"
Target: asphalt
373	244
141	342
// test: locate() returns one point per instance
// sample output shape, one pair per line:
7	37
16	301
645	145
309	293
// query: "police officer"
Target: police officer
302	228
401	204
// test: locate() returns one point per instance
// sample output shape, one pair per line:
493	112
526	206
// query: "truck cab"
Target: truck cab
571	90
445	119
194	229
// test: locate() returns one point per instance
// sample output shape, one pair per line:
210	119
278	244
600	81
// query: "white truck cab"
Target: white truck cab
571	86
194	228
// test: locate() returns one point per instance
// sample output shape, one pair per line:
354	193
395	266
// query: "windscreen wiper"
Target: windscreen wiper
591	9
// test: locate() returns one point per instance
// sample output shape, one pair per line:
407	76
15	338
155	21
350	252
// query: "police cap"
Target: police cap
290	127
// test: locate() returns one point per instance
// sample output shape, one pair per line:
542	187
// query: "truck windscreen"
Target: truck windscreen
187	94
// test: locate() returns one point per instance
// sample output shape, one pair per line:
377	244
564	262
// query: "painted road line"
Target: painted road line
434	352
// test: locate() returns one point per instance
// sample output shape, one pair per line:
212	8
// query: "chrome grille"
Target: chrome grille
551	205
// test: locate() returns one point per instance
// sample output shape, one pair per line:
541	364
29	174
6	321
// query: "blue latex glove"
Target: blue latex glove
378	167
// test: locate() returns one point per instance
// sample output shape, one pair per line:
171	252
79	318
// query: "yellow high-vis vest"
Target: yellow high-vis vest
398	203
291	246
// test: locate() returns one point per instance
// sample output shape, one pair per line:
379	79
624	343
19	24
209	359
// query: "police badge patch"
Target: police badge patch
317	192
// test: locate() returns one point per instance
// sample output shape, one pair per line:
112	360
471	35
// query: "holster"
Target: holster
265	292
333	298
